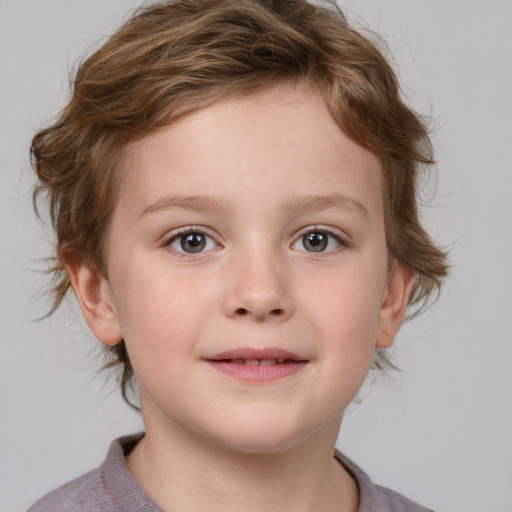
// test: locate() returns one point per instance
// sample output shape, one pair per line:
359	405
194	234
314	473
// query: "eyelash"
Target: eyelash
183	232
343	244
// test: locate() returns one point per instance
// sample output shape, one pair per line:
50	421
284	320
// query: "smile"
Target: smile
257	365
258	362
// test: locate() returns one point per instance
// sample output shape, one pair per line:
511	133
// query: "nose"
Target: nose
258	288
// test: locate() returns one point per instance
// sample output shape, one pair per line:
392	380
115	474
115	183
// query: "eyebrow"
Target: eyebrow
293	204
327	202
200	204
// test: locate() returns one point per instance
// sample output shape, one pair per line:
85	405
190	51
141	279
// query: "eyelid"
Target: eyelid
174	235
337	234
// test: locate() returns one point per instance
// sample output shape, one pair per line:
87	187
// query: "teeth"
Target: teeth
256	362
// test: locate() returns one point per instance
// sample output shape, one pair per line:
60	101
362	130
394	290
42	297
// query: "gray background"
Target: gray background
441	432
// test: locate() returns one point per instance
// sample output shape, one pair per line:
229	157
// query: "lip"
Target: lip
229	363
256	353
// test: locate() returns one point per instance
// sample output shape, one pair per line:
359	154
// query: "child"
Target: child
233	190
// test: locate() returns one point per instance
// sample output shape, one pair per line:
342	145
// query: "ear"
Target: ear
95	299
395	299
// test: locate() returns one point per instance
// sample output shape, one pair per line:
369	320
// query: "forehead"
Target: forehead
275	143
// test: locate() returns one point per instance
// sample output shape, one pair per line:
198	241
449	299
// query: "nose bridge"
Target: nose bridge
257	284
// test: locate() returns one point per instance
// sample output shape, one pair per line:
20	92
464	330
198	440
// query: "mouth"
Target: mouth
257	365
255	362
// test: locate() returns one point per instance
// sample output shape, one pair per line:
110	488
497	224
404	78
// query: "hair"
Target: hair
172	58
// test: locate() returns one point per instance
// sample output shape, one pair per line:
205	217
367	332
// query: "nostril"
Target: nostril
272	313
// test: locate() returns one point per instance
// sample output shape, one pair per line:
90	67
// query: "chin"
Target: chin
260	445
259	437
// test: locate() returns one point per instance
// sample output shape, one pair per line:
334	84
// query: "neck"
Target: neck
180	471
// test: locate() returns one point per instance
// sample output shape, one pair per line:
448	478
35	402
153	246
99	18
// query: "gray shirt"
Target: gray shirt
111	488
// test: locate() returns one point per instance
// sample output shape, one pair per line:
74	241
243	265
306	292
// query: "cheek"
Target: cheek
344	311
348	326
159	317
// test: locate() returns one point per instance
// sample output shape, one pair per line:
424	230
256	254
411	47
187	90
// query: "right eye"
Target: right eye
191	242
319	241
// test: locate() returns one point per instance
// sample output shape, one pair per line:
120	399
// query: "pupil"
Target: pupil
193	242
315	242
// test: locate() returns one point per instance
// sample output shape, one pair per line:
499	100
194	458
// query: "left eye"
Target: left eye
192	242
318	241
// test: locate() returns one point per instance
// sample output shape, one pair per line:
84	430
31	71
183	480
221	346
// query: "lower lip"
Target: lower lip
250	373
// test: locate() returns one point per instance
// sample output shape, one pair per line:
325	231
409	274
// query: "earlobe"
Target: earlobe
396	297
95	299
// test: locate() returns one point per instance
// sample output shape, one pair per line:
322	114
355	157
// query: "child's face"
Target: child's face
284	250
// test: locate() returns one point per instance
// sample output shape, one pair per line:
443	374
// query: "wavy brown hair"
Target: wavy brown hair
174	57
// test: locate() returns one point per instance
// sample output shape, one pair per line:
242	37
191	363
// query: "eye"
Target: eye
191	242
318	241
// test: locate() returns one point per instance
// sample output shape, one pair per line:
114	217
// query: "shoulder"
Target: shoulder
77	495
109	488
392	501
375	498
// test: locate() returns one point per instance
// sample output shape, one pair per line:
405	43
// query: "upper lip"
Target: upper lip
256	353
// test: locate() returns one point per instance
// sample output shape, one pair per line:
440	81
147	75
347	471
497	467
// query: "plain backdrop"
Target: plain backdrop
441	431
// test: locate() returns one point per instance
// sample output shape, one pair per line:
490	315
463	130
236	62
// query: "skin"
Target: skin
263	162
